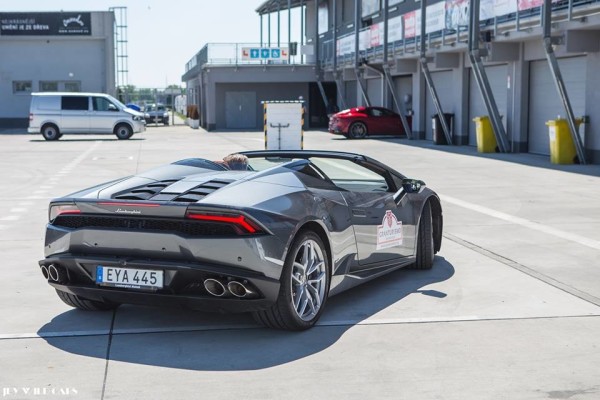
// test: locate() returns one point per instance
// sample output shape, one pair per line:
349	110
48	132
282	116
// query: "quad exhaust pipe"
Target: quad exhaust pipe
238	289
215	287
52	273
219	288
45	272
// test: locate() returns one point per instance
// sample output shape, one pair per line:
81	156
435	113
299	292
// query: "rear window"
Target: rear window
75	103
47	103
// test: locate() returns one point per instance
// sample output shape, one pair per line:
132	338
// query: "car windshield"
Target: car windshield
153	107
262	163
345	174
117	102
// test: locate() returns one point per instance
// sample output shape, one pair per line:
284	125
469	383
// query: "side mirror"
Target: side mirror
112	107
408	186
412	185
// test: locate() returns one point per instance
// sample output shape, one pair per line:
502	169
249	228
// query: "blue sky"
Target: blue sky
164	35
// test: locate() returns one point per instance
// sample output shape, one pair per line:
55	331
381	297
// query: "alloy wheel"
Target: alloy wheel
308	280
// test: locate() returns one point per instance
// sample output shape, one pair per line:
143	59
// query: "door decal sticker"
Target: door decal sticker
389	233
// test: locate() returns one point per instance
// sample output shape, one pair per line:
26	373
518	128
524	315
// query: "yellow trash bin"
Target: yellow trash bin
486	141
562	148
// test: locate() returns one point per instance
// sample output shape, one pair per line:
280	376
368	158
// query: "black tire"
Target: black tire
84	304
357	130
123	131
425	247
51	132
284	314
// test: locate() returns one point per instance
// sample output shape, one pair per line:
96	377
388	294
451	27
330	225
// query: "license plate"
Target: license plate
129	278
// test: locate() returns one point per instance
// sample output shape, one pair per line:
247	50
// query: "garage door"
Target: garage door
402	88
240	110
445	88
544	101
350	92
497	76
374	92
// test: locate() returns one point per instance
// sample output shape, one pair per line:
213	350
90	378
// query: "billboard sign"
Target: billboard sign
395	29
46	24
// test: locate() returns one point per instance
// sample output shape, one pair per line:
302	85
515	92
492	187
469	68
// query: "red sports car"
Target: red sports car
358	122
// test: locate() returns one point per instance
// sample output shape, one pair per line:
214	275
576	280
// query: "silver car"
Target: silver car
55	114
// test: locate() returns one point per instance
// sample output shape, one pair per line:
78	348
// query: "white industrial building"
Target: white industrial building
53	51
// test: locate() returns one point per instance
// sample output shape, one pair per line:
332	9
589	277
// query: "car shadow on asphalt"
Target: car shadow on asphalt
235	347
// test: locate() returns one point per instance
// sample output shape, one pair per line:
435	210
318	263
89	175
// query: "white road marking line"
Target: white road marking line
323	323
18	210
46	187
53	334
10	218
40	191
594	244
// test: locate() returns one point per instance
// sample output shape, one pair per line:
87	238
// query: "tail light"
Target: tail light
30	117
62	209
242	224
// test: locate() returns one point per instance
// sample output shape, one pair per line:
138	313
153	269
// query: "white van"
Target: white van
54	113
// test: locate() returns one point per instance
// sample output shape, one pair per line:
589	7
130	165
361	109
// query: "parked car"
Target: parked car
134	106
156	113
276	238
359	122
54	114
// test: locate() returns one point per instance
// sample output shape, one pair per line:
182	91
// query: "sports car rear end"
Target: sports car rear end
161	242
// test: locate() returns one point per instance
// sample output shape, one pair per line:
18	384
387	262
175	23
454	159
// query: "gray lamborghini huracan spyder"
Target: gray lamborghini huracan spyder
275	239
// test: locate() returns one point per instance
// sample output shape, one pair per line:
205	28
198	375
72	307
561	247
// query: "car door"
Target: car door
390	123
103	115
384	228
74	114
375	121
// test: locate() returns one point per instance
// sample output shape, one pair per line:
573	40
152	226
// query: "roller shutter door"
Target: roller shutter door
497	76
544	101
402	87
444	86
374	92
351	95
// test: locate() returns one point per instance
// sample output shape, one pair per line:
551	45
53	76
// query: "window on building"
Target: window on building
75	103
21	87
73	86
48	86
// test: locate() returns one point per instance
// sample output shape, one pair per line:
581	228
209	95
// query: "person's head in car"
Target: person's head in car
237	162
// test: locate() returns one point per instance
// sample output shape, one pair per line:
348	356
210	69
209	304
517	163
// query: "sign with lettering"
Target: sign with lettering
46	24
265	53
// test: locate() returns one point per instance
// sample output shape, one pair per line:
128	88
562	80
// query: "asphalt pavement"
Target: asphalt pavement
510	310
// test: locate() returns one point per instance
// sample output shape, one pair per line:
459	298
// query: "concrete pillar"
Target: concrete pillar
518	103
592	97
419	104
210	101
460	76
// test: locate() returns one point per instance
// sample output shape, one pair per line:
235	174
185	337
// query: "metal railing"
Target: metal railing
231	54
